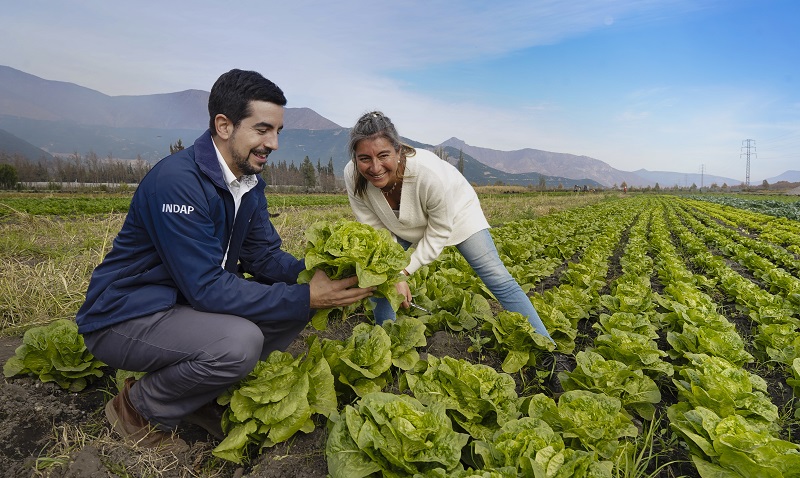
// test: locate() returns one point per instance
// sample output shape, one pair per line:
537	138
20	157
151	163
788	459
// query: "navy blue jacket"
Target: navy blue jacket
172	243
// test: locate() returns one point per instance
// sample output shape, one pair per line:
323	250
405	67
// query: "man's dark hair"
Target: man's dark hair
233	91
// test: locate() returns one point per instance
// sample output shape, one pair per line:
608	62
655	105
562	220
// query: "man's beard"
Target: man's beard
242	163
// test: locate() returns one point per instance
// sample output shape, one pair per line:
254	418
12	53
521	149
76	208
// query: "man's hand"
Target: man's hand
326	293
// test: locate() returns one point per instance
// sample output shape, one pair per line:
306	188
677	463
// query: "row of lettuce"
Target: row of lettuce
393	413
722	412
787	207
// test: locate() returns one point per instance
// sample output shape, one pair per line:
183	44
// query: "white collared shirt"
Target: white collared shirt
237	187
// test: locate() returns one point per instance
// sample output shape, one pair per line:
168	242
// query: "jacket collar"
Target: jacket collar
206	158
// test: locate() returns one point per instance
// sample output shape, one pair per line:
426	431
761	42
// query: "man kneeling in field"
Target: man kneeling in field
169	298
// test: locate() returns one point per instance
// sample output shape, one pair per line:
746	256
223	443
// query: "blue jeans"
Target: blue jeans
481	254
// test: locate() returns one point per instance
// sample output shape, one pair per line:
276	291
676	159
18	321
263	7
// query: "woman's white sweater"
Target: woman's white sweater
438	207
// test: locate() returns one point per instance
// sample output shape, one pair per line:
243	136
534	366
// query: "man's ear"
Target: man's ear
223	125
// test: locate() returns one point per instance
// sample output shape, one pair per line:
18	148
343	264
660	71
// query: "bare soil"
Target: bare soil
49	432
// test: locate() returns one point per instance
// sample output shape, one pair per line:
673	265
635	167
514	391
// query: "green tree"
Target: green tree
327	176
308	173
461	161
8	176
174	148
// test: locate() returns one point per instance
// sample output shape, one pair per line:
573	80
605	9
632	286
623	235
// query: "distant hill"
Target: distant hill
12	145
306	118
63	118
548	163
324	145
67	137
27	96
151	144
570	165
790	176
667	179
319	145
477	172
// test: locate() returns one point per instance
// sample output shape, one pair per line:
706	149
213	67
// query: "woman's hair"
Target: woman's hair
233	91
374	125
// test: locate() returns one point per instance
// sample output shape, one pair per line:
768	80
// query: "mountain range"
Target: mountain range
41	118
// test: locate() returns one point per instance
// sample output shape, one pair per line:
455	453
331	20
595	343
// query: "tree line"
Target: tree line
319	178
18	172
75	168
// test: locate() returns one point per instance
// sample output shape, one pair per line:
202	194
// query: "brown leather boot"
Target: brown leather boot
208	417
134	428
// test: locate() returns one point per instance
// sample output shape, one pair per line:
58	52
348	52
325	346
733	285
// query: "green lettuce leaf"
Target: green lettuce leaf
275	401
406	334
55	353
511	334
362	363
395	435
636	391
476	396
347	248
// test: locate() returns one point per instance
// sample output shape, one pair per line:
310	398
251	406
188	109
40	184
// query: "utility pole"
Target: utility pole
746	146
702	170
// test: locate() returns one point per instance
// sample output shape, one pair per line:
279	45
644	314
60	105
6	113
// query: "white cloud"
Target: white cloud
342	58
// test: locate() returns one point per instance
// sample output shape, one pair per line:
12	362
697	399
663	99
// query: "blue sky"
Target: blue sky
673	85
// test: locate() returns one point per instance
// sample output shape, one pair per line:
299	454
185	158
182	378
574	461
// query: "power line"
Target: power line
748	153
780	138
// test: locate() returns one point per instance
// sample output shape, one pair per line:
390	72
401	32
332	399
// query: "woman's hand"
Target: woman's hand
405	291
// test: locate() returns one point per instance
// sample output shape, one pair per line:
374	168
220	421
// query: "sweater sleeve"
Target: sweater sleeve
436	201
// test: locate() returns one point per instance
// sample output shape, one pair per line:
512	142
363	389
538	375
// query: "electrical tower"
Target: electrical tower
702	170
746	147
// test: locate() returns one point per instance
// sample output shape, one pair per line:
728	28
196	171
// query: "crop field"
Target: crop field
679	317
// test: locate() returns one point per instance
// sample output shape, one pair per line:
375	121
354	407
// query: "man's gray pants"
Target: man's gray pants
190	357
